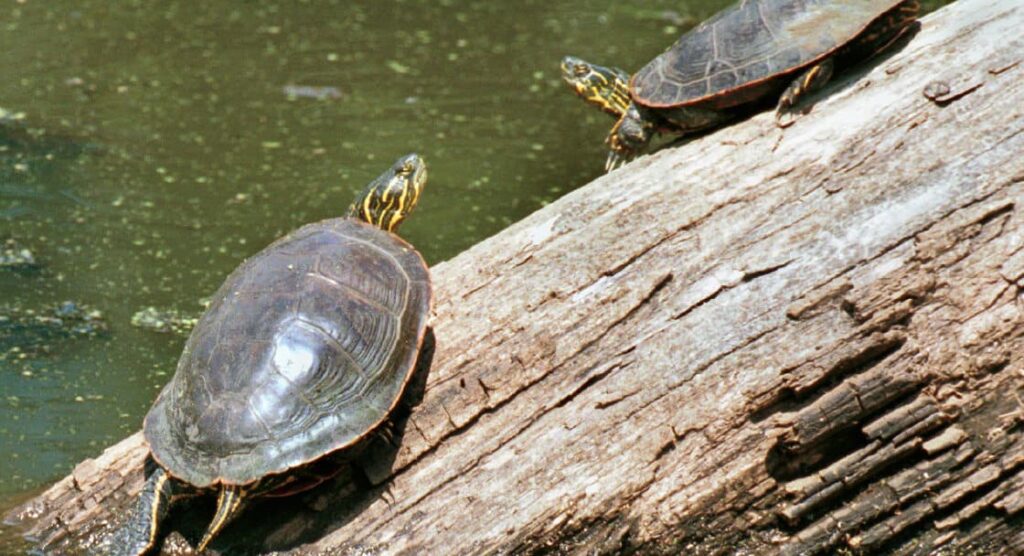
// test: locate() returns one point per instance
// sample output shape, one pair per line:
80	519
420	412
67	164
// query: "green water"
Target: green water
157	148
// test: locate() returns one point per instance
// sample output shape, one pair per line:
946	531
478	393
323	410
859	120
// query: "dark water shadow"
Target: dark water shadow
34	170
27	270
26	140
45	330
284	523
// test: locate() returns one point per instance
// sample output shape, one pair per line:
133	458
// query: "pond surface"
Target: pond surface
147	149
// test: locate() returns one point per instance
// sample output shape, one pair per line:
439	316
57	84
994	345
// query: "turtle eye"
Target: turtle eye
580	70
407	167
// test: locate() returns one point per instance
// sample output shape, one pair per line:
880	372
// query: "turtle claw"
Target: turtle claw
785	118
610	162
616	160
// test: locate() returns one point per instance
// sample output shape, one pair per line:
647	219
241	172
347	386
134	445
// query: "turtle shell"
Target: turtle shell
306	348
743	51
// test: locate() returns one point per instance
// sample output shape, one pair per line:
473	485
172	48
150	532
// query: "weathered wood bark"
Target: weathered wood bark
781	341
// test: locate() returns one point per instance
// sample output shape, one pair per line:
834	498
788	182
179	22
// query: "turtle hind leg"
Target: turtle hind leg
811	80
138	535
888	29
228	504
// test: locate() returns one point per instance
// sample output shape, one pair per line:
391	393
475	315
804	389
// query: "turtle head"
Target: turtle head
391	197
605	88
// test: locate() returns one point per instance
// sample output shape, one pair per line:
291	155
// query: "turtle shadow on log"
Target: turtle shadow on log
285	523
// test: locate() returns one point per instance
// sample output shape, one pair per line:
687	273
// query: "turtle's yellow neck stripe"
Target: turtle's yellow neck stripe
391	197
612	95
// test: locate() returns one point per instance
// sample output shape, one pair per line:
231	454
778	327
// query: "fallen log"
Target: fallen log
790	341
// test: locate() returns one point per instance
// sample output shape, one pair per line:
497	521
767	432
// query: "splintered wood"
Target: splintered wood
768	341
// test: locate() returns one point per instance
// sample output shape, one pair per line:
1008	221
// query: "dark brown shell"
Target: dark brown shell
306	347
727	60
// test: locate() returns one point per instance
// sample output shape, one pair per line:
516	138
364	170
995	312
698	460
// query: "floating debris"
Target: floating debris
675	18
316	92
74	319
10	116
15	256
398	67
164	321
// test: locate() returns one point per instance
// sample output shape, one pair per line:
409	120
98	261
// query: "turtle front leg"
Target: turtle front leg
138	535
628	137
809	81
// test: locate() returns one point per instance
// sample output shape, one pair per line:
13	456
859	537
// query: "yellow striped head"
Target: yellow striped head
606	88
391	197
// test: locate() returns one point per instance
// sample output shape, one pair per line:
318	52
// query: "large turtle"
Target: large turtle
755	50
304	351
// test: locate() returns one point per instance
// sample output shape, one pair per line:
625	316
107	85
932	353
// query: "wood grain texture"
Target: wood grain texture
773	341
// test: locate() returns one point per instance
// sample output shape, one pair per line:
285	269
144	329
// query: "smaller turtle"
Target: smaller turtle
304	352
752	51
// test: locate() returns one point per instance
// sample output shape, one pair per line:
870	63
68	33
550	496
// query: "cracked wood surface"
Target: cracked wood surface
782	341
